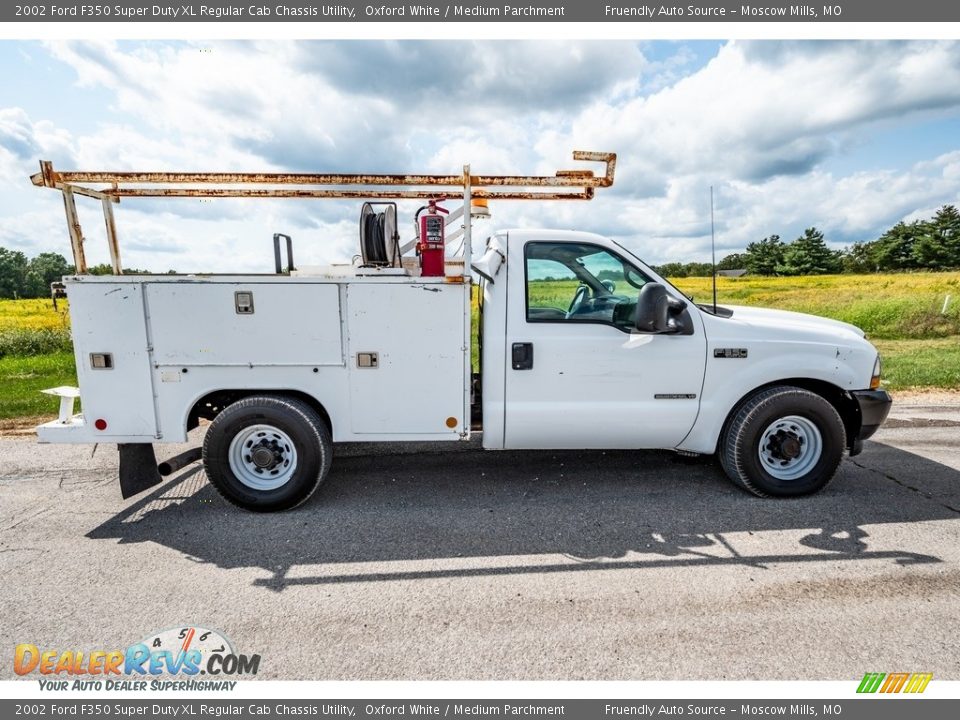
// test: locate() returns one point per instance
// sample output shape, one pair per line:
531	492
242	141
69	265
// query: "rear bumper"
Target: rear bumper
874	407
74	430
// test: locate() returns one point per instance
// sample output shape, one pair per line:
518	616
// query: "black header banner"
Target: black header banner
642	11
216	707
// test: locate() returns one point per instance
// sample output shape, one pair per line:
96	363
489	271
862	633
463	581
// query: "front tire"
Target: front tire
783	442
267	453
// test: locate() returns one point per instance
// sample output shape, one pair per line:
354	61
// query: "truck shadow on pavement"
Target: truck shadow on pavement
456	514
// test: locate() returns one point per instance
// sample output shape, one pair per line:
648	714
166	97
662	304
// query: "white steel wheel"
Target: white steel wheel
790	447
263	457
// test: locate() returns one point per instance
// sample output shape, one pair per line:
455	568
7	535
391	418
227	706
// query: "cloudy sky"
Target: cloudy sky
848	136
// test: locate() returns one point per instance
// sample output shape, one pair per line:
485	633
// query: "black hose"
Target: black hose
374	240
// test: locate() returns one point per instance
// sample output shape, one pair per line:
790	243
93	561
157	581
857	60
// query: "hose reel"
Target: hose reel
379	239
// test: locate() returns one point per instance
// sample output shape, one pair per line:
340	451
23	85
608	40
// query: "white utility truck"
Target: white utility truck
581	345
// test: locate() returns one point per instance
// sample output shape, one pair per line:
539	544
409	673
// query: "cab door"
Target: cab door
578	374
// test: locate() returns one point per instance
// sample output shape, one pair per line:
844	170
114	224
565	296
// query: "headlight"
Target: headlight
875	378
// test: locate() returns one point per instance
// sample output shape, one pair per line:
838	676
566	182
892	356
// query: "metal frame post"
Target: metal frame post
467	219
76	233
468	289
112	242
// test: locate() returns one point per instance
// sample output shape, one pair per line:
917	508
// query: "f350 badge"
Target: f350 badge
730	352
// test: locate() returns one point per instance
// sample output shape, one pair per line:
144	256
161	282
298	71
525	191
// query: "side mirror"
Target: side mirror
658	312
652	308
610	285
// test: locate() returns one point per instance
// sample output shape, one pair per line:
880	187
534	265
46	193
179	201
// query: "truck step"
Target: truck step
68	396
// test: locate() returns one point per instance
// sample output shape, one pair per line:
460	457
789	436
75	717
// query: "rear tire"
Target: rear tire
267	453
783	442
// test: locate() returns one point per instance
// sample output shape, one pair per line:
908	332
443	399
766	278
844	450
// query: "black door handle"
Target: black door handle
522	356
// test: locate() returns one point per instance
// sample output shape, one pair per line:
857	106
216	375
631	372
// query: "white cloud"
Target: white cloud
749	115
760	122
858	206
23	141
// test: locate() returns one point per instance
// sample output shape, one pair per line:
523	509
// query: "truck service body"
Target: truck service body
582	345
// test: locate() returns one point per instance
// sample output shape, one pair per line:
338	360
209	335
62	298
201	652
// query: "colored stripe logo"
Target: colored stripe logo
894	682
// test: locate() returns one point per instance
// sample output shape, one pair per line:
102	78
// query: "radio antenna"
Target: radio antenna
713	253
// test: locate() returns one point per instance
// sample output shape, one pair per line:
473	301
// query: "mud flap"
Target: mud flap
138	468
856	447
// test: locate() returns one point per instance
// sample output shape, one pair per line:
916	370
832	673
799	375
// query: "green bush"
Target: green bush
25	342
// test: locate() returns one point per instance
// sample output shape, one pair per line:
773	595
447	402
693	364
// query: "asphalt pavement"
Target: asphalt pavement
417	563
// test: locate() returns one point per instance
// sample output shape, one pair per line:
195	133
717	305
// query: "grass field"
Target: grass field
32	315
890	306
22	379
903	314
35	354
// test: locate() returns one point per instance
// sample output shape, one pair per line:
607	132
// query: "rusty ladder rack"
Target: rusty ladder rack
109	187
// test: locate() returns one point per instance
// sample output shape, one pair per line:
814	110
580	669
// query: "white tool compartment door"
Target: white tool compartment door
108	321
415	332
201	324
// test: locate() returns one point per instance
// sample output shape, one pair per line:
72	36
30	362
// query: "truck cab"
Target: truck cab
584	346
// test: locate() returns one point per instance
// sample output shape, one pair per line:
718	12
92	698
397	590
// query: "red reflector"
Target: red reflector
100	424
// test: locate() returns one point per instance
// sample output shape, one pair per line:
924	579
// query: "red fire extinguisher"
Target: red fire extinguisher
430	246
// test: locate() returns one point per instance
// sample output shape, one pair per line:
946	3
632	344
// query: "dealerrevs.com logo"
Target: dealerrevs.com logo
152	663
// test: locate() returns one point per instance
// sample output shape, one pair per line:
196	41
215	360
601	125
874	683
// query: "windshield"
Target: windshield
665	280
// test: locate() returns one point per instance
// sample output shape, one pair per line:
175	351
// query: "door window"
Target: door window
579	282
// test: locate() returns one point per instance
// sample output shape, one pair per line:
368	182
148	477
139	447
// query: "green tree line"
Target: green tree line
932	244
22	277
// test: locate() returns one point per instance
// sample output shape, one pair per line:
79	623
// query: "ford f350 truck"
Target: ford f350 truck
581	345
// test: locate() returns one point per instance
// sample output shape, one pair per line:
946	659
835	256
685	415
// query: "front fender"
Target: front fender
729	379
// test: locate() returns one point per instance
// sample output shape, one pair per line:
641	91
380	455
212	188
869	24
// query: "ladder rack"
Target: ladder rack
109	187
